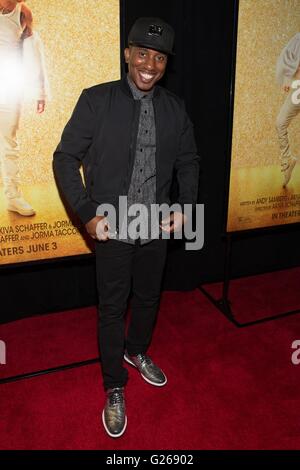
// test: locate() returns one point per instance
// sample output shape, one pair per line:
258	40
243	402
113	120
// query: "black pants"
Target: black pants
120	268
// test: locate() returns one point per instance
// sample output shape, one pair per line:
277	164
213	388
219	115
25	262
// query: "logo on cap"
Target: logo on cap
155	30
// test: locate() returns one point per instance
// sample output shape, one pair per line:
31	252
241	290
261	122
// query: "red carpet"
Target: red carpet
256	297
228	388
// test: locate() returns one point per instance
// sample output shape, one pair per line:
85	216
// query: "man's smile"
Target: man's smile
146	77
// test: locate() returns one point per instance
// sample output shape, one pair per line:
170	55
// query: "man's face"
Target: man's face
145	66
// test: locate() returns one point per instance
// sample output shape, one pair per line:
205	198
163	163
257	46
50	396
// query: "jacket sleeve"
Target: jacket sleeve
187	165
288	61
73	147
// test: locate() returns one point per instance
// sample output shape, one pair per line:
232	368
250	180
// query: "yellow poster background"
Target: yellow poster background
81	40
257	197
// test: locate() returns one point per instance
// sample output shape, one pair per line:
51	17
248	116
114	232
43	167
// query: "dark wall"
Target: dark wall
201	74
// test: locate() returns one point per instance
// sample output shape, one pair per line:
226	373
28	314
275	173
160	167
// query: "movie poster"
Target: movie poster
74	45
265	159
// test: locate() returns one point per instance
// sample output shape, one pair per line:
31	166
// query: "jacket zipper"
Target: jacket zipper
156	145
133	140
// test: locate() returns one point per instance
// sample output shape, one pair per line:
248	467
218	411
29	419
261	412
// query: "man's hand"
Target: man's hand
174	222
100	233
40	106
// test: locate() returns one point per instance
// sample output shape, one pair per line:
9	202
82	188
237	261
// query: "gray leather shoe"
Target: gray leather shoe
113	416
148	370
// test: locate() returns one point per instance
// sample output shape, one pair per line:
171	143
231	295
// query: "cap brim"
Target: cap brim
149	46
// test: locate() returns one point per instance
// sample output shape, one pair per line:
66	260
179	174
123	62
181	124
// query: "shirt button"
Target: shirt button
146	132
141	150
139	190
141	170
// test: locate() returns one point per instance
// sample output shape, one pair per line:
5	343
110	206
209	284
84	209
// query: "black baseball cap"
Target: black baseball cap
152	33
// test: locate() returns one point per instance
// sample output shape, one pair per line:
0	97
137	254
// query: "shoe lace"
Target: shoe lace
116	396
143	358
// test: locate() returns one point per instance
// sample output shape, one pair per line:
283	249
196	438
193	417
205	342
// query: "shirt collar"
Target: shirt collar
139	94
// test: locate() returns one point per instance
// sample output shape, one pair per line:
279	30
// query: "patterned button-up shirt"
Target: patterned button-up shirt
142	188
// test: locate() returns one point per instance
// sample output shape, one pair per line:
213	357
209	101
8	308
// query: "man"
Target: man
18	46
287	70
130	135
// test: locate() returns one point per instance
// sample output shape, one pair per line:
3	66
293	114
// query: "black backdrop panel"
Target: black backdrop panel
201	74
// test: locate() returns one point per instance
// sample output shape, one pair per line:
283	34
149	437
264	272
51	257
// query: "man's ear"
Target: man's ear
126	54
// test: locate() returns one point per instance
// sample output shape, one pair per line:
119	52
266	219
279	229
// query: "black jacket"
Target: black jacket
101	136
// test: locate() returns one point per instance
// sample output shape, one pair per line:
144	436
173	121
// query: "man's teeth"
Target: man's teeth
147	76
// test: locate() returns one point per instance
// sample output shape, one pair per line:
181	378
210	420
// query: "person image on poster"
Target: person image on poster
288	70
22	71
